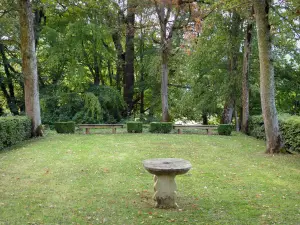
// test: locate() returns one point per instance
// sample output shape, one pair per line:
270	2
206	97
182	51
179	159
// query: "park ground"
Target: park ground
100	179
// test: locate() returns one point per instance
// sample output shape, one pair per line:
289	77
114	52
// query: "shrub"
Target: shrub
161	127
256	127
111	102
65	127
134	127
13	130
289	128
224	129
91	112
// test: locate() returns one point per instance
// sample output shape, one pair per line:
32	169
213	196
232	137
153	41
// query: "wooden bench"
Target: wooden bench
208	128
87	127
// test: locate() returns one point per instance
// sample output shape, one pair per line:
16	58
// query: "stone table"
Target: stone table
165	170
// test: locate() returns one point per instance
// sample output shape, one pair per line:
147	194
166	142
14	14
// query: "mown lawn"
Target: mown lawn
99	178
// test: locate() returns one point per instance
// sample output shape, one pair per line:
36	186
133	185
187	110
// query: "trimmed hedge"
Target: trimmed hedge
224	129
134	127
14	129
161	127
65	127
289	128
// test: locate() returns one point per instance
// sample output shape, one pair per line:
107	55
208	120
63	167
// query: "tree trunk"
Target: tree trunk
245	79
204	119
10	96
120	59
29	66
96	70
164	86
129	58
165	50
267	83
236	119
110	73
39	15
142	74
232	67
228	111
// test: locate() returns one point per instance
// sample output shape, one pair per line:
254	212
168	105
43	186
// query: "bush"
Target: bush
65	127
91	112
13	130
224	129
289	128
134	127
161	127
256	127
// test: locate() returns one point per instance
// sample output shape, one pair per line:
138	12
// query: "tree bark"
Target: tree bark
142	74
10	96
232	67
245	79
267	83
165	43
164	85
228	111
29	66
110	73
120	59
204	118
129	57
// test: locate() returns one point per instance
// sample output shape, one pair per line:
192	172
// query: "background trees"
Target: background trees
160	60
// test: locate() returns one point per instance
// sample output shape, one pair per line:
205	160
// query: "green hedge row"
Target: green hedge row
134	127
65	127
289	128
161	127
225	129
13	130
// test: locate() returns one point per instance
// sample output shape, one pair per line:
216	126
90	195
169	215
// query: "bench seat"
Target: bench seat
208	128
87	127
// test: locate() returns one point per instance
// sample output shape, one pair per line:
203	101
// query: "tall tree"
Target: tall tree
129	56
234	46
172	16
267	83
245	78
29	66
9	95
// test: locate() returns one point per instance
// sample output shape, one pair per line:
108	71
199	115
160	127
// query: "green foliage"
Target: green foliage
111	102
134	127
13	130
99	104
60	107
225	129
91	112
256	127
65	127
289	128
161	127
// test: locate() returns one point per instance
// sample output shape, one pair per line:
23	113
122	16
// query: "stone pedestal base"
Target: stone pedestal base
165	191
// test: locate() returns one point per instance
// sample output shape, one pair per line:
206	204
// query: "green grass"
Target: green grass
99	178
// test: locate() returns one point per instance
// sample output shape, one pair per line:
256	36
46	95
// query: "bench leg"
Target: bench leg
179	131
87	130
165	191
209	132
114	130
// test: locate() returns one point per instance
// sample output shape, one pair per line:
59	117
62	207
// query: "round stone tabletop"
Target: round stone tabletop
166	166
